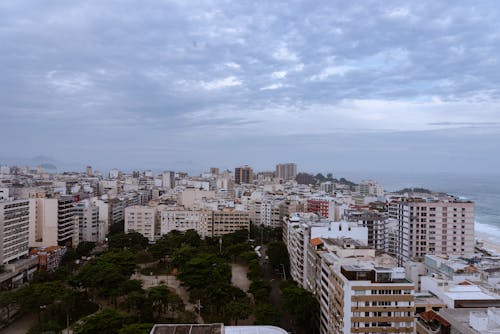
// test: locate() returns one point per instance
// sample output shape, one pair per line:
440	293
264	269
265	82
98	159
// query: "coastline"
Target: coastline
489	236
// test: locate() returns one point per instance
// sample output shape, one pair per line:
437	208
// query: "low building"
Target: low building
214	329
49	258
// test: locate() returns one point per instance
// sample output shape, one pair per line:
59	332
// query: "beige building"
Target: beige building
434	227
287	171
193	198
359	292
14	230
142	219
180	219
53	221
228	221
243	175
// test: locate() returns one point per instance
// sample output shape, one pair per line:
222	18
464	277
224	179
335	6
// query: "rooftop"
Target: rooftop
214	329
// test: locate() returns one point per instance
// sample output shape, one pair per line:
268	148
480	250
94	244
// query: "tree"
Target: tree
267	314
164	300
84	248
107	273
136	329
34	296
238	309
320	177
260	290
106	321
133	241
8	302
303	307
278	254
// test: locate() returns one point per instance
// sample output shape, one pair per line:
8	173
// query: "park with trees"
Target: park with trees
105	292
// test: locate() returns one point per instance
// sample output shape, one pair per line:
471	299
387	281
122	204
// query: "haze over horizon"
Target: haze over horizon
186	85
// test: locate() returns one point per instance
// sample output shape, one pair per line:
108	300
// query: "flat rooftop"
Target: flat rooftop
214	329
187	329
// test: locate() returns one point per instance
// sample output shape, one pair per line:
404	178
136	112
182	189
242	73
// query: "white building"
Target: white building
371	188
168	180
4	194
114	173
91	228
179	219
298	232
14	230
141	219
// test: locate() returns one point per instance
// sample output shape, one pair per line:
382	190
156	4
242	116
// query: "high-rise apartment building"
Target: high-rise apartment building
366	298
431	227
286	171
88	171
168	180
53	221
91	228
14	230
243	174
141	219
370	188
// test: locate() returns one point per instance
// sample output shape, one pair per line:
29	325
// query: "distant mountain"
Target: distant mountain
48	163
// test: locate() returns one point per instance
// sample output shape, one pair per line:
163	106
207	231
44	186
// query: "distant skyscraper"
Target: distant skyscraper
168	180
214	170
243	174
286	171
88	171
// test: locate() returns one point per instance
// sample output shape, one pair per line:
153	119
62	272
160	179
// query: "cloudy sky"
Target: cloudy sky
331	85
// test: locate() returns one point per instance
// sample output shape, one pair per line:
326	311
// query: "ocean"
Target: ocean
484	190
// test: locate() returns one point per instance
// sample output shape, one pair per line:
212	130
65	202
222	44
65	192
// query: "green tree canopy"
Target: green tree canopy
106	321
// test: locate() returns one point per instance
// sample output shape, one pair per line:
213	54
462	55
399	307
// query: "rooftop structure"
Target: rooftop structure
214	329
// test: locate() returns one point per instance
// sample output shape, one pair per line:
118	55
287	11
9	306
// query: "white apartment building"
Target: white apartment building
4	194
114	173
434	227
179	219
53	222
168	180
299	232
141	219
366	298
371	188
374	221
358	290
270	214
91	228
14	230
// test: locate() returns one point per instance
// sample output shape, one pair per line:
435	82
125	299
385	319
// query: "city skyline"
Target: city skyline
179	84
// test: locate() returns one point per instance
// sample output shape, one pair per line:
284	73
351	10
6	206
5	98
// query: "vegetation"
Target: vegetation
98	294
319	178
302	305
413	190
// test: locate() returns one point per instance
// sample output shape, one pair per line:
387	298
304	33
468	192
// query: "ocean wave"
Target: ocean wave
487	231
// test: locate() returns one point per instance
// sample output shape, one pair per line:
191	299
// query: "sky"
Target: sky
185	85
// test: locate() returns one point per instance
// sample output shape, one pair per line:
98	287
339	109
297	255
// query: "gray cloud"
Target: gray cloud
81	78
